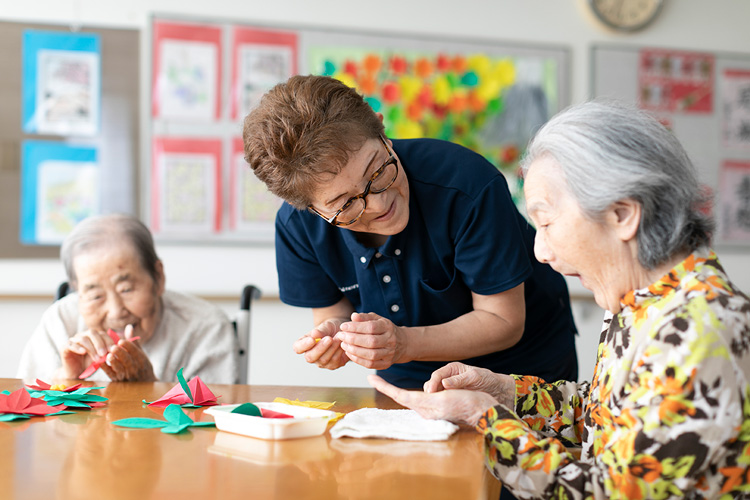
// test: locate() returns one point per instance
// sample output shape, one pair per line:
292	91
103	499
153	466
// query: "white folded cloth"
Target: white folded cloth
406	425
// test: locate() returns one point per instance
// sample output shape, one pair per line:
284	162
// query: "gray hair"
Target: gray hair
610	151
98	231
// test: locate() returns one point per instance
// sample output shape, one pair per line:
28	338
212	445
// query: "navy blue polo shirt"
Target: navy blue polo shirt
464	234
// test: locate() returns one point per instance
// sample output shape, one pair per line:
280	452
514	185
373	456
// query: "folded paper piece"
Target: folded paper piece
321	405
193	394
176	421
78	397
44	386
102	359
254	411
406	425
20	404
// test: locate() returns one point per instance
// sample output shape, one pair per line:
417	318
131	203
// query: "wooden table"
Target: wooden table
84	456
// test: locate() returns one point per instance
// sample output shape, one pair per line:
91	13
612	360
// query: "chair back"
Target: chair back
241	324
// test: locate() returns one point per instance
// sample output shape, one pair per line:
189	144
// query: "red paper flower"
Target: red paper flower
21	402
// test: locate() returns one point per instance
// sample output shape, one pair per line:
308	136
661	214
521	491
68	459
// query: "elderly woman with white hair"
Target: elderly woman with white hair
119	280
617	204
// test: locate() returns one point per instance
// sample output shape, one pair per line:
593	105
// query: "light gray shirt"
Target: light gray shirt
192	334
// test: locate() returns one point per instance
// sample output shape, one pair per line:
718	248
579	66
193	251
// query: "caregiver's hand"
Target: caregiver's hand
372	341
458	406
321	347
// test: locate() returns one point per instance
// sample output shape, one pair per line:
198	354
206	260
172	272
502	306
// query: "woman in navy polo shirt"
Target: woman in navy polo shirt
410	253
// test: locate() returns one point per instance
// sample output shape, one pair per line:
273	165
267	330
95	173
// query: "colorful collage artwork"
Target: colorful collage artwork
490	104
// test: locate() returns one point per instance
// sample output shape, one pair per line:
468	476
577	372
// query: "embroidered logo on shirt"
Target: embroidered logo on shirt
349	288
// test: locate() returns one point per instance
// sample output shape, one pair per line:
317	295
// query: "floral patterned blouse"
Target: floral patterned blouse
667	414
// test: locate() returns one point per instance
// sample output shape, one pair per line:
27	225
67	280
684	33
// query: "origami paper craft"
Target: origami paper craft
20	404
193	394
321	405
79	398
102	359
254	411
176	421
44	386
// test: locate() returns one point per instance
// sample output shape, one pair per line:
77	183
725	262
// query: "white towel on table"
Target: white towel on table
393	424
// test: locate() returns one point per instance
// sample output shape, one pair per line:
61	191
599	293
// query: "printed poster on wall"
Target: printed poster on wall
61	83
187	72
252	206
186	186
260	59
734	202
59	188
491	104
735	97
676	81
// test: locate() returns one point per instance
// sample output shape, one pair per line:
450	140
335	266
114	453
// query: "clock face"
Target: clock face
626	15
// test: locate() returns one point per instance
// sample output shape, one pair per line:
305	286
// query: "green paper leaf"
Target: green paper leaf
9	417
175	416
140	423
175	429
248	409
183	384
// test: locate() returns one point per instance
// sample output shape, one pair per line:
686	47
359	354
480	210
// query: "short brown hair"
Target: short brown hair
303	133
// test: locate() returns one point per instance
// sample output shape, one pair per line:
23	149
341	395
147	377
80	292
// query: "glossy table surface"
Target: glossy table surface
83	455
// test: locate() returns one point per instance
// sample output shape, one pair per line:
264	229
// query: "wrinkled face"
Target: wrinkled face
387	213
115	291
570	242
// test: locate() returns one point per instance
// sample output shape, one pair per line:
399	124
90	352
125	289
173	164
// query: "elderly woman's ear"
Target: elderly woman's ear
624	217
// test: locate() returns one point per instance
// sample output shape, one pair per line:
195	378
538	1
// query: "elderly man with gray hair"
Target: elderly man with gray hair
119	285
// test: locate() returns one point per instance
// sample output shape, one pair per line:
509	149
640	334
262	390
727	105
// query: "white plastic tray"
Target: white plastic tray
305	422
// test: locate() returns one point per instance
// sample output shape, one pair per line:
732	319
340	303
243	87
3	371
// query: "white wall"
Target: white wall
720	25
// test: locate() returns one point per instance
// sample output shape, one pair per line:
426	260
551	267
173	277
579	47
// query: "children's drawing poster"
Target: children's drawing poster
61	83
186	186
734	202
186	71
736	108
252	206
261	58
676	81
491	104
59	188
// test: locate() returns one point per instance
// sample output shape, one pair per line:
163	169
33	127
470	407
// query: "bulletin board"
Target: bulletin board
704	98
488	95
28	149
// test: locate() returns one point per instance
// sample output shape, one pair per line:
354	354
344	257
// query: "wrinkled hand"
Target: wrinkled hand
326	351
458	406
126	361
372	341
81	350
460	376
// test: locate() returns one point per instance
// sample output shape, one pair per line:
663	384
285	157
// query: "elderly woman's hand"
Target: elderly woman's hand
126	361
372	341
321	347
81	350
460	376
458	406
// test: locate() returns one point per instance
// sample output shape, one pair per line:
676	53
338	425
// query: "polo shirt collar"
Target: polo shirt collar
393	247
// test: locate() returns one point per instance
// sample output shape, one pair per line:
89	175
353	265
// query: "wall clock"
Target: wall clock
626	15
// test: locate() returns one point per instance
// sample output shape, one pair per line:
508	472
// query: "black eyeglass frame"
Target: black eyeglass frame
392	160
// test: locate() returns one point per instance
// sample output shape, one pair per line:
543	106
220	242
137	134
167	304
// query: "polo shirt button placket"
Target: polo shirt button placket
386	279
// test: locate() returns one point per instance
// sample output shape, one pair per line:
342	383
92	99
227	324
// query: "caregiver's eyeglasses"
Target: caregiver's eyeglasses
381	180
